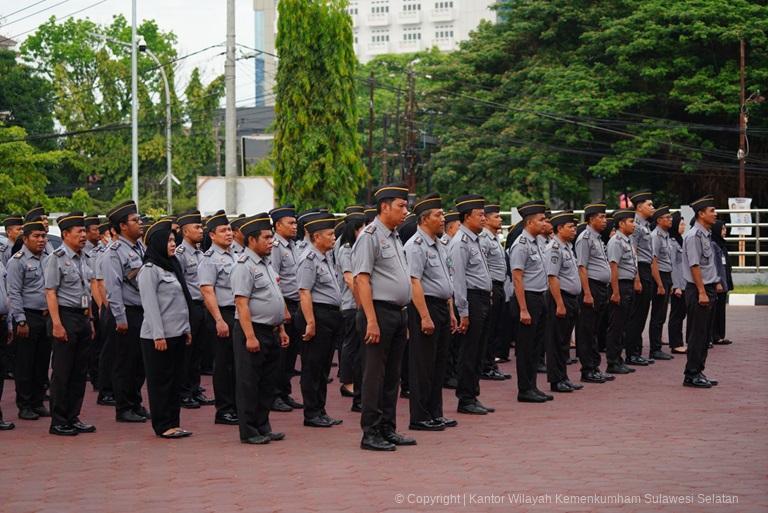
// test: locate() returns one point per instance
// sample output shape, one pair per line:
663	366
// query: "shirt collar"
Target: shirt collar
490	233
253	256
472	235
29	254
282	240
661	232
593	231
381	226
528	236
317	252
702	229
429	240
131	244
218	249
190	246
621	236
640	219
69	252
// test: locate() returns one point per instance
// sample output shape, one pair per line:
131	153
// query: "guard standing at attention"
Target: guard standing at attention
13	227
661	270
641	241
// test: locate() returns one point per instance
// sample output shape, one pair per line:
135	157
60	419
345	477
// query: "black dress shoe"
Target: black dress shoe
130	416
375	442
333	421
591	377
618	369
446	421
175	434
575	386
661	355
698	381
492	375
605	375
256	440
279	405
723	342
275	437
203	400
472	409
42	411
28	414
189	403
451	383
560	386
397	439
541	368
426	425
714	382
106	400
530	397
345	392
62	430
142	412
486	408
356	408
318	422
293	403
228	418
6	426
637	360
82	427
548	397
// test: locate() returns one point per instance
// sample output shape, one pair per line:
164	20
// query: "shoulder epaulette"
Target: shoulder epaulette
242	258
275	243
418	240
311	255
114	245
585	234
464	237
3	246
18	254
522	240
347	245
445	241
180	250
371	228
209	252
555	245
59	252
149	264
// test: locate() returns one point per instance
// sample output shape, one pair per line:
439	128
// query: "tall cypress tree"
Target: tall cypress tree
317	150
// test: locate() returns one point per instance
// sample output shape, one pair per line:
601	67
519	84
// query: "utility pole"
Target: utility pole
742	123
371	119
230	121
134	109
410	148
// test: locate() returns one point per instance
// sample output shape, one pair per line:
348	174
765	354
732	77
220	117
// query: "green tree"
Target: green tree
316	151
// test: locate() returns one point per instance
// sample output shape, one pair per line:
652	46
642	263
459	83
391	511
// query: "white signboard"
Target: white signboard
739	217
254	194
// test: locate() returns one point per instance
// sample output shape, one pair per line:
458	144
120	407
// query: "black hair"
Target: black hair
350	229
674	230
253	235
388	201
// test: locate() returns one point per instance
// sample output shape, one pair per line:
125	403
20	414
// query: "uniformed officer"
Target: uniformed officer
92	248
165	330
107	333
92	236
284	259
29	310
661	270
13	226
530	281
370	214
595	276
319	321
120	265
383	287
452	225
216	287
625	286
497	268
258	332
641	241
472	295
562	300
677	308
237	236
189	255
302	237
701	278
4	425
430	316
405	231
68	277
38	213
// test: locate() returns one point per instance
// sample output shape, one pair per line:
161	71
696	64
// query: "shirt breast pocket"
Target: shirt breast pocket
69	276
260	281
324	277
432	262
387	251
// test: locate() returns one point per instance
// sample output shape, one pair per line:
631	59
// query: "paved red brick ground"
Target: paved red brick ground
642	434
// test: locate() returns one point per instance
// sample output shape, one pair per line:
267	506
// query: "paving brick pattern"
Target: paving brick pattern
641	434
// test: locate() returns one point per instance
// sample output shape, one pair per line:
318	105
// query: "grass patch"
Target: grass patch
756	288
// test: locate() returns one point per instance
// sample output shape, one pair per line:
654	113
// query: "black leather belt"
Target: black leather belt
569	295
135	308
228	308
535	293
387	305
72	309
480	292
325	306
436	300
265	327
43	313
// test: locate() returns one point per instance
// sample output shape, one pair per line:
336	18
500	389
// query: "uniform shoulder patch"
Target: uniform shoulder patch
3	246
555	245
114	245
18	254
242	258
418	240
585	235
347	245
522	240
275	243
149	264
371	228
59	252
311	255
180	250
209	252
464	237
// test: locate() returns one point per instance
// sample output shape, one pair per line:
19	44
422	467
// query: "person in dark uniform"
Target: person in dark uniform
284	258
13	228
26	296
106	330
92	248
406	230
625	285
661	270
530	281
216	287
238	240
319	321
563	301
430	315
68	277
120	266
701	279
452	225
4	425
383	286
641	241
602	325
165	330
719	232
38	213
677	308
259	334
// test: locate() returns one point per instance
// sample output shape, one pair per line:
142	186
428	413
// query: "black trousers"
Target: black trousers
558	336
494	322
504	330
428	355
351	365
128	370
588	326
94	348
3	361
107	352
193	354
288	355
224	370
33	357
256	375
165	377
316	356
698	334
659	307
718	317
640	308
69	368
471	346
528	339
381	367
7	354
677	312
618	326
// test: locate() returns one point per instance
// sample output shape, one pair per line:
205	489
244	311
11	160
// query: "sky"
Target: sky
196	23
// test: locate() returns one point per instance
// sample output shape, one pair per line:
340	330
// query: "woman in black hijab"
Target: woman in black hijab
165	331
677	310
719	231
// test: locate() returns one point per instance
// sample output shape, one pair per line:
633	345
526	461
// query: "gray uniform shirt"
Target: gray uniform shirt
285	259
697	250
5	251
678	281
97	257
70	276
215	269
662	251
3	291
494	255
25	283
468	267
561	262
641	240
189	256
237	248
120	265
428	262
379	253
255	278
166	314
316	274
590	254
344	265
620	250
525	255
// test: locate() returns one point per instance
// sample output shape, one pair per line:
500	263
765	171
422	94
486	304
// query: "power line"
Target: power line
36	13
22	9
3	38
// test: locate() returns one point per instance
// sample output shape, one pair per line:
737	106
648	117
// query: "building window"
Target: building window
444	32
380	7
412	34
411	7
444	4
352	11
380	36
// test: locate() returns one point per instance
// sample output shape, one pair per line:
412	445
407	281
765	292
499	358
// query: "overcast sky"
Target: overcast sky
196	23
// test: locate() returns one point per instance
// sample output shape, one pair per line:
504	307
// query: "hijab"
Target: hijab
717	236
157	253
674	231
